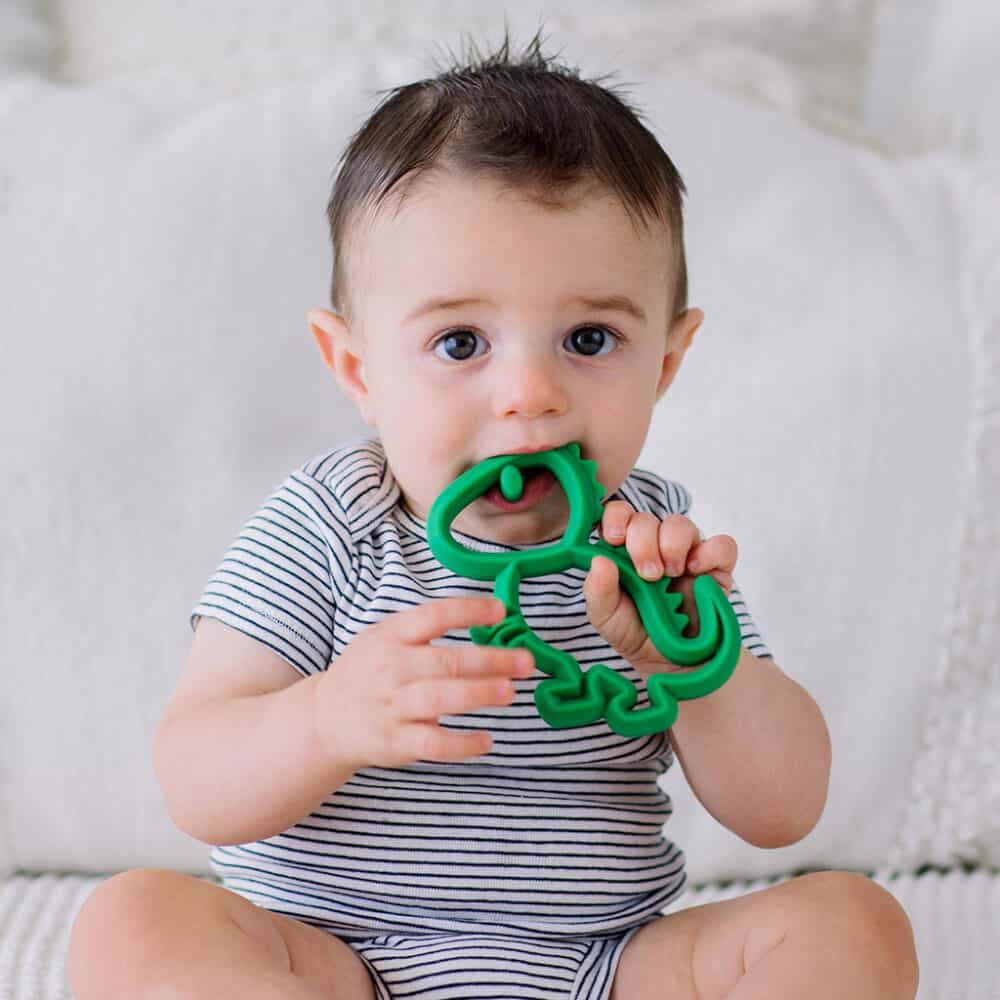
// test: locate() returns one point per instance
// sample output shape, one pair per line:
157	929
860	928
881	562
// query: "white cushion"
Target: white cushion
785	53
834	416
159	258
933	79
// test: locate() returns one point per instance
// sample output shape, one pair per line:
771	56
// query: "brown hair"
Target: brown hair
528	120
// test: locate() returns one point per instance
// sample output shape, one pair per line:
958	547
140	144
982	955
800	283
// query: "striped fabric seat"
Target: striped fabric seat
955	916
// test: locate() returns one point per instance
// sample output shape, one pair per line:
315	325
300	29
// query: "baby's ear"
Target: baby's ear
333	337
682	331
327	329
684	327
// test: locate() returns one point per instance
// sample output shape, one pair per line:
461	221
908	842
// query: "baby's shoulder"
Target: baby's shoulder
648	491
355	481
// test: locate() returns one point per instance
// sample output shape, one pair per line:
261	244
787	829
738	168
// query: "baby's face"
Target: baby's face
484	323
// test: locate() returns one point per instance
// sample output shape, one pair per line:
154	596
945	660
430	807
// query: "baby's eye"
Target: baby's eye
459	344
590	339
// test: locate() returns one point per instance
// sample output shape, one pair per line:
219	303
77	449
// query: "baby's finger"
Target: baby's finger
614	521
435	618
465	660
427	741
600	590
642	545
724	580
678	534
426	700
611	611
718	552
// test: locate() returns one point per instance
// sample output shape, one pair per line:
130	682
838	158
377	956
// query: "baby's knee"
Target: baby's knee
895	932
876	921
110	937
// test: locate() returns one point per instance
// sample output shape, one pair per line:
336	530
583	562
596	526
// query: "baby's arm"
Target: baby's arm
236	752
756	752
246	747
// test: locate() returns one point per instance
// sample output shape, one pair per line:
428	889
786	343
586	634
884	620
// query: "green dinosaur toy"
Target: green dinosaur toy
571	697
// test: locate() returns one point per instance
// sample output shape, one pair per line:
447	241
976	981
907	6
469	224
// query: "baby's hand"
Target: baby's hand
671	547
378	703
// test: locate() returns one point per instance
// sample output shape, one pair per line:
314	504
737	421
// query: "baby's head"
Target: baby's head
509	275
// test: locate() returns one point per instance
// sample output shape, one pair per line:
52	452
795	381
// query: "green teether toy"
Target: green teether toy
571	697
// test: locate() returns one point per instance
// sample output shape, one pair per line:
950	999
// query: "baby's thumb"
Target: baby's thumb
600	590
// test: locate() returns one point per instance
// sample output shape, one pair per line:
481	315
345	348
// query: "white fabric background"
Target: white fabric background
902	76
142	321
27	38
162	261
162	234
934	76
805	56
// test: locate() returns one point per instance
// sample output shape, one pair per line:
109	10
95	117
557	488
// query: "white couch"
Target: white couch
162	234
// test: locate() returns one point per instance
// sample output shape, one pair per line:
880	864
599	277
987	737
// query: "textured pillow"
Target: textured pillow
933	78
851	363
159	260
953	811
790	54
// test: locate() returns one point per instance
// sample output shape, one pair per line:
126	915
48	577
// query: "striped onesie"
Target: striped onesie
520	873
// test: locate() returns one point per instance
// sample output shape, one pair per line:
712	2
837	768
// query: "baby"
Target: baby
391	817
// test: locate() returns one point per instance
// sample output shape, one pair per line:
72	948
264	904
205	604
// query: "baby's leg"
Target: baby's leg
152	933
825	936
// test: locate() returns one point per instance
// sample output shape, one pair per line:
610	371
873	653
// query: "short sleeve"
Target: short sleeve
278	580
647	491
748	629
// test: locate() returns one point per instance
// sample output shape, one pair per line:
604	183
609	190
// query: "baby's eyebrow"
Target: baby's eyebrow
436	304
607	303
612	303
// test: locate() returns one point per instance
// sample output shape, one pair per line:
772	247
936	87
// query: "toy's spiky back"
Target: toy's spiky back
596	492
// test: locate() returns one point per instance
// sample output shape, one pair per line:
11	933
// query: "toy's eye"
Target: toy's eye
511	483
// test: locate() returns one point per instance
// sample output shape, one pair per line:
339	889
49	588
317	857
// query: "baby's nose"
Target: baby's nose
529	387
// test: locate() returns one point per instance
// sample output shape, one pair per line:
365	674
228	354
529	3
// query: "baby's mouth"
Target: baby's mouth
537	482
